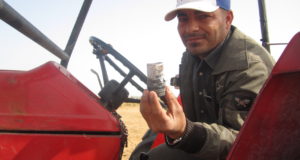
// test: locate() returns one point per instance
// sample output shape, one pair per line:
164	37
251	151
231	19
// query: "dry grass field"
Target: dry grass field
135	124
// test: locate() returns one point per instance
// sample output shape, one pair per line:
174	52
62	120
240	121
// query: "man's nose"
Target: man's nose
192	26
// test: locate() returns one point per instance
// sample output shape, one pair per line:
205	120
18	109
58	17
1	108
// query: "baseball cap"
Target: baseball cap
200	5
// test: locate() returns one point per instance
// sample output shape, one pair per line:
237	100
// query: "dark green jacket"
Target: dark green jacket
240	69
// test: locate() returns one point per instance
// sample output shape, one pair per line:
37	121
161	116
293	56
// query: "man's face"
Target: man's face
203	31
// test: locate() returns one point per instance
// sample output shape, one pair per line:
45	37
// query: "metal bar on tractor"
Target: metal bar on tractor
103	67
271	44
14	19
124	82
108	48
98	78
136	85
76	30
264	24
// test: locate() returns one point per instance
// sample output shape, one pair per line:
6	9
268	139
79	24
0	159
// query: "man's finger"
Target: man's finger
171	100
145	108
154	100
144	97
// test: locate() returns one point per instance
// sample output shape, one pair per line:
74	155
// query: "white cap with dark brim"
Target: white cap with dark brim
200	5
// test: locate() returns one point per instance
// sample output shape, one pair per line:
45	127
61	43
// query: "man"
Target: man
221	73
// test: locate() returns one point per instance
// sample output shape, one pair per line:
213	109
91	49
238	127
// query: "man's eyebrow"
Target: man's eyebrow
200	12
180	14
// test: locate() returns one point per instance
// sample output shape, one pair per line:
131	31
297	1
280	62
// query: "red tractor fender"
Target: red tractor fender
272	130
46	113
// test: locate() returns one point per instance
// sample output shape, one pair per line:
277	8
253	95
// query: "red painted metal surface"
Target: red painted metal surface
49	99
159	139
58	147
272	130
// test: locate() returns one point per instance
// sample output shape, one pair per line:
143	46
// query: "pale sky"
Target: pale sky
135	28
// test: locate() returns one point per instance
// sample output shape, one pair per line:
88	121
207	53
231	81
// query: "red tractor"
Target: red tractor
46	113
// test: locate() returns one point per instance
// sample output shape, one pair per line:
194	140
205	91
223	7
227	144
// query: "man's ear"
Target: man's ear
229	19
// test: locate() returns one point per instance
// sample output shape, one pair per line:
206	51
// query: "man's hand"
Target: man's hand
171	122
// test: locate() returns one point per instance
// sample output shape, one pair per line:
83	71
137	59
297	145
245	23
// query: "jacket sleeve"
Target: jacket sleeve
236	91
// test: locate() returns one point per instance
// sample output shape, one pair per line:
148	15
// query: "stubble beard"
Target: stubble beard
194	49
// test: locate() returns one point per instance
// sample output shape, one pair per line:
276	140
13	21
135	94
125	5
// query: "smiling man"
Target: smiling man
202	31
221	73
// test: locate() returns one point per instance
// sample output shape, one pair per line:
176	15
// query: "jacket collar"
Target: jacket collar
232	56
212	58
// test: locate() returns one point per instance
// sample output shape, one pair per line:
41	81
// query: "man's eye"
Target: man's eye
202	16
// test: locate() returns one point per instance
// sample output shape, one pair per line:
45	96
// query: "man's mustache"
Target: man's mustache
194	35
